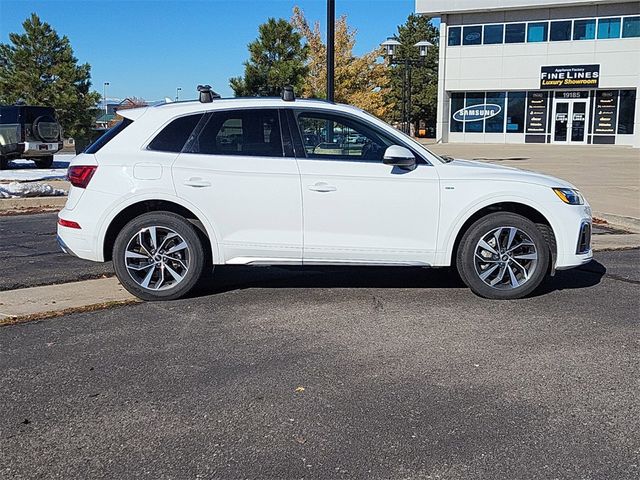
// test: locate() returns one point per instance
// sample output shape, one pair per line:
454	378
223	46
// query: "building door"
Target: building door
570	121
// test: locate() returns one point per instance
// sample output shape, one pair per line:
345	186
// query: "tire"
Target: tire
4	163
35	128
150	274
44	161
496	263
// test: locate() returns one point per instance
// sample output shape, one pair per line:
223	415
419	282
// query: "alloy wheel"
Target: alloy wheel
157	258
505	258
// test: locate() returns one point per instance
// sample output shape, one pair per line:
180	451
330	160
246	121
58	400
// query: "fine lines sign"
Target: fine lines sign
570	76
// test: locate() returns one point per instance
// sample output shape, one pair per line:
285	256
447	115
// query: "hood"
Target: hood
474	170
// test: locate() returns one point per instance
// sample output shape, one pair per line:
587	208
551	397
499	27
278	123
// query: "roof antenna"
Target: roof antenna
206	94
287	94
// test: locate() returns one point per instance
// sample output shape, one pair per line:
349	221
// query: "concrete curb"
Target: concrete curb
50	300
626	223
18	205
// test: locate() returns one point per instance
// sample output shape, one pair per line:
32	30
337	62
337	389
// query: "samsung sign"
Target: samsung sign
570	76
475	113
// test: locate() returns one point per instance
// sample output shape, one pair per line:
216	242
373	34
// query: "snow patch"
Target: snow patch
16	189
22	170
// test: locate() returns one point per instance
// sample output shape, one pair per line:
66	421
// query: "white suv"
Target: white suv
175	189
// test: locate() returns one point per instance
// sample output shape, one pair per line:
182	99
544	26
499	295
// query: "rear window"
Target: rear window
108	136
173	137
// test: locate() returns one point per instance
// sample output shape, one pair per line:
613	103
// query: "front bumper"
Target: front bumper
574	239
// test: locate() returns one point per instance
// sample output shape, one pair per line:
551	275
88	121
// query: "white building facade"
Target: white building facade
546	71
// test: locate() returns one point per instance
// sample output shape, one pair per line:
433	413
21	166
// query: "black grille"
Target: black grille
584	239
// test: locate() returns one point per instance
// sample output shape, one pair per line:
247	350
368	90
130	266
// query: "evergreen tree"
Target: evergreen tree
277	58
424	78
39	68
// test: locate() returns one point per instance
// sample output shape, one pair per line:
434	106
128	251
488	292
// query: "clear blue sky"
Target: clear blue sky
148	48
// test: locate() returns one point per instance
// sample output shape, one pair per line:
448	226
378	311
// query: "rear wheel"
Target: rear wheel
44	161
158	256
4	163
503	256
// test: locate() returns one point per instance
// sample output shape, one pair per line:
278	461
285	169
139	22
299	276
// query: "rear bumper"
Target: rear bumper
36	149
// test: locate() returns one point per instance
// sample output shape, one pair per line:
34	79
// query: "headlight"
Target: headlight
569	195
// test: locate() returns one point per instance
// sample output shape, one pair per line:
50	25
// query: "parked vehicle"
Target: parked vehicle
29	132
173	190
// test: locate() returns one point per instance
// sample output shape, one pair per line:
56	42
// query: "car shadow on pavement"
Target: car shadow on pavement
228	278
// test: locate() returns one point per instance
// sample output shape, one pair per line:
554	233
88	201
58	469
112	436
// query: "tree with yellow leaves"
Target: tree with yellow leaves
359	80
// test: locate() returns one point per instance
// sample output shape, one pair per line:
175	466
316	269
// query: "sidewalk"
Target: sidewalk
608	176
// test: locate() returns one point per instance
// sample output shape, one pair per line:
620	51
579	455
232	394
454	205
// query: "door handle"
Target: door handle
196	182
322	187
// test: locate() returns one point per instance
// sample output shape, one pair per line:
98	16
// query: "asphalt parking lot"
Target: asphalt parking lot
334	373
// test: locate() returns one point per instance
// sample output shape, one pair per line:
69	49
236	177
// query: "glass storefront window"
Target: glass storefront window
560	31
472	35
631	27
455	36
537	32
495	124
474	99
626	112
609	28
457	103
514	32
493	34
515	112
584	29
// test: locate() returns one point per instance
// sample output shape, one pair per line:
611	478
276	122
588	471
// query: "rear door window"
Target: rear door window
254	133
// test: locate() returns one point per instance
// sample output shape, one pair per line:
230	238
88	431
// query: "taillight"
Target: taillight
80	175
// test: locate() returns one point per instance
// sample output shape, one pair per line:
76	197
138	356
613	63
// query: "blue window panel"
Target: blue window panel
472	35
584	29
631	27
493	34
609	28
537	32
514	32
560	31
455	36
457	103
516	112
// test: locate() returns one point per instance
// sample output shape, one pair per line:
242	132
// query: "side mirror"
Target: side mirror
399	157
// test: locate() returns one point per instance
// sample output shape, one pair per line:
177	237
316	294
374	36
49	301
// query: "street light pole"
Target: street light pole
390	47
104	96
178	89
331	28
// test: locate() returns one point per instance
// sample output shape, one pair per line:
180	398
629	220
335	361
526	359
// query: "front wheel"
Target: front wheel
158	256
503	256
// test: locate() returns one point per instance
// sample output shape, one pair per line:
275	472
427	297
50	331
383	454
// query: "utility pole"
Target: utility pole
104	96
331	34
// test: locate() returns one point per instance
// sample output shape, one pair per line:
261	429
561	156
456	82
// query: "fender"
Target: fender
211	229
445	250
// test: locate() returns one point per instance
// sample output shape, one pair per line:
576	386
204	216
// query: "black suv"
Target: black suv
29	132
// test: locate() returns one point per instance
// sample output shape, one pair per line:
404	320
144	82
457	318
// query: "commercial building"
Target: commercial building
545	71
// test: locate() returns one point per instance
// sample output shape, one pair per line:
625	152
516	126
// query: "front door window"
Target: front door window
570	121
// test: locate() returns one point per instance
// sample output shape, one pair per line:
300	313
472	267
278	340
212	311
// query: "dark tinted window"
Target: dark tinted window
108	136
631	27
337	137
474	99
626	111
457	103
455	36
242	132
561	31
493	34
515	112
514	32
472	35
495	124
173	137
584	29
